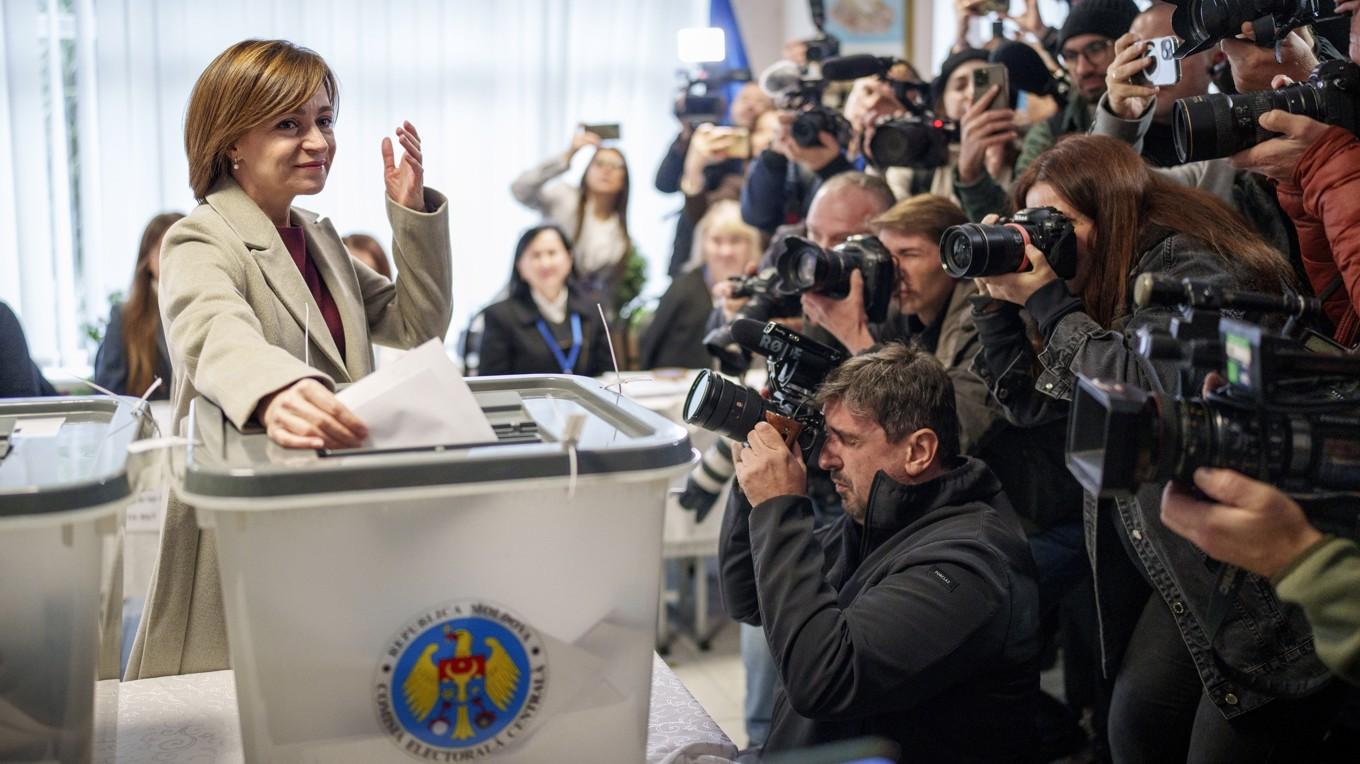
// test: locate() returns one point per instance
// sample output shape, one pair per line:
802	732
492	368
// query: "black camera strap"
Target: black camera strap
1221	604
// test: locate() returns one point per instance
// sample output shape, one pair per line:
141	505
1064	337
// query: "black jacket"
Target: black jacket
919	626
675	337
512	344
111	362
19	376
776	190
1128	545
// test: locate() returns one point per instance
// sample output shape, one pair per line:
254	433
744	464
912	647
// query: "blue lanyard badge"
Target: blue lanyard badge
568	361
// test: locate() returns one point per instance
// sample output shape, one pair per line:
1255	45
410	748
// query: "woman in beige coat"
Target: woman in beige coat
264	310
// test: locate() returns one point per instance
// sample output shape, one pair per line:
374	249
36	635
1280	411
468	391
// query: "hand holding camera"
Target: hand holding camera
1253	67
1278	157
845	318
984	133
1244	522
767	467
793	144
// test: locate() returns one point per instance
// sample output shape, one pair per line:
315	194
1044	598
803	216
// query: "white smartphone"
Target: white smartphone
1165	69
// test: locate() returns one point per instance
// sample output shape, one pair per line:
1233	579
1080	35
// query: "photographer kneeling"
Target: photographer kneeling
912	616
1171	701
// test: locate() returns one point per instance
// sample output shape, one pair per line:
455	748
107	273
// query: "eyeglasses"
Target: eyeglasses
1093	52
608	164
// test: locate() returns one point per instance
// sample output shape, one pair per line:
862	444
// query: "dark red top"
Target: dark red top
296	243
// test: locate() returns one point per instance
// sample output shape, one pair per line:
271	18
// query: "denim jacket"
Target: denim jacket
1261	637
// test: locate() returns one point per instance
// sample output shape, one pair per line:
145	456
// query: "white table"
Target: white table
193	718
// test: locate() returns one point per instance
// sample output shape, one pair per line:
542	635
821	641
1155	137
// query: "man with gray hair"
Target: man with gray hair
914	615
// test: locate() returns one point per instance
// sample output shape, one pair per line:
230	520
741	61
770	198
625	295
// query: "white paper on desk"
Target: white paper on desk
419	400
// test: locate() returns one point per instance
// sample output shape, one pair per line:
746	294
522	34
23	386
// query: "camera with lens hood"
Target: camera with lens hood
800	267
1289	414
1201	24
1220	125
797	366
973	250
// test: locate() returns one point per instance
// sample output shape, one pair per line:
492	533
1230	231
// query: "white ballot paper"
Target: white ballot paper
418	400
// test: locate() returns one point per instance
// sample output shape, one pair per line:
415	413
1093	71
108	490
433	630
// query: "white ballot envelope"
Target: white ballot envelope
418	400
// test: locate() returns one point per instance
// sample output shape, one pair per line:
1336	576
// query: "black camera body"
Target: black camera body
1289	415
1220	125
972	250
800	267
797	366
1203	23
815	119
805	267
919	141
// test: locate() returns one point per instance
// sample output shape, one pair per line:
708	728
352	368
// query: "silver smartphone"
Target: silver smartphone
1165	68
984	77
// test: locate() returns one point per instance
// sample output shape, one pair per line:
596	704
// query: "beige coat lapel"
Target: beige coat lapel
333	263
260	236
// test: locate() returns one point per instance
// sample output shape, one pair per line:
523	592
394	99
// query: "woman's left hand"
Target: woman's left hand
405	182
1019	287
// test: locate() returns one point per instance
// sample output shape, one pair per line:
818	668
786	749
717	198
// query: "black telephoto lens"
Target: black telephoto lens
971	250
809	268
723	406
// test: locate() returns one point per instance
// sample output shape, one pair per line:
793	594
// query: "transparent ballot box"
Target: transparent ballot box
445	604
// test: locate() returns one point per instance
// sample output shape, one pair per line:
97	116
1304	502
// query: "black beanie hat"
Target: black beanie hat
1107	18
954	61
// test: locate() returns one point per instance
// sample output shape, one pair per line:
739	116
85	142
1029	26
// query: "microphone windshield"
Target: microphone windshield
748	331
853	67
780	79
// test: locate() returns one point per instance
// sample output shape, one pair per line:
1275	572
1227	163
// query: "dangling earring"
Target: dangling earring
235	164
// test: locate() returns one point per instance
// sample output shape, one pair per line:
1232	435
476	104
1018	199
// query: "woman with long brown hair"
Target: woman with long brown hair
133	353
1174	696
593	213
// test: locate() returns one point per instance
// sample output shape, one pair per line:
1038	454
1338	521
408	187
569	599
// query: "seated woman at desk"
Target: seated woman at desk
265	313
544	326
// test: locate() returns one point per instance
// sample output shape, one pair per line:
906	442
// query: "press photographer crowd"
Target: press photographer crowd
1046	357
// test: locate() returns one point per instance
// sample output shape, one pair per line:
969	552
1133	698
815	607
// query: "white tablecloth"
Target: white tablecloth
193	718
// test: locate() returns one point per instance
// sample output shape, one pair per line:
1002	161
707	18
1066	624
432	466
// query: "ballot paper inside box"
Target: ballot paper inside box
445	601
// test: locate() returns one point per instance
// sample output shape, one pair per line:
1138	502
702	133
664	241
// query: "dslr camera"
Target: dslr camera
800	267
1203	23
919	138
1289	415
971	250
1219	125
801	89
797	366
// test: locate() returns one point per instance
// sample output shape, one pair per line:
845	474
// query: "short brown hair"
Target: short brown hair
903	388
925	215
247	85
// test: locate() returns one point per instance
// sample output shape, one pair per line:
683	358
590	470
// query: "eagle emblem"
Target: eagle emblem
462	681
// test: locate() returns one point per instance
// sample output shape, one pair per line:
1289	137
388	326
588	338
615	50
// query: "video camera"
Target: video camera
800	89
700	99
1220	125
1201	24
797	366
919	138
1289	414
800	267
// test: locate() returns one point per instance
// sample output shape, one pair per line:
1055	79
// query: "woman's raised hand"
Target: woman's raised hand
405	181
